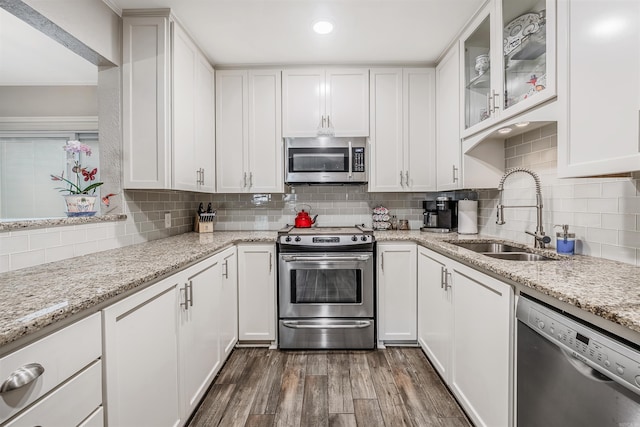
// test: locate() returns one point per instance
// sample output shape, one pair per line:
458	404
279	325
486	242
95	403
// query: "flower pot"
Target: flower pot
80	204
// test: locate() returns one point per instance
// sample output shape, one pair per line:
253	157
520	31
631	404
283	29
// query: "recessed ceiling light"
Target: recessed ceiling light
504	130
323	27
522	124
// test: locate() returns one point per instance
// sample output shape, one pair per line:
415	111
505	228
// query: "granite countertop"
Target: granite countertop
34	298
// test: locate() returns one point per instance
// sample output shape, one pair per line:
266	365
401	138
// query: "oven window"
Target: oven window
332	286
318	160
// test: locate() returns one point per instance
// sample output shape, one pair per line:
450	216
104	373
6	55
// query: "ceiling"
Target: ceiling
29	58
261	32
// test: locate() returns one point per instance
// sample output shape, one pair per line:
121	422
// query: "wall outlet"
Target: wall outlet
167	220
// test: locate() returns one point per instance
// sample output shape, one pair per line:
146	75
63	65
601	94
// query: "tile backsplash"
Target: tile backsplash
145	210
604	213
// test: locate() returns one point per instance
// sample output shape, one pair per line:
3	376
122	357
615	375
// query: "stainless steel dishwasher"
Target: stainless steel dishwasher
570	374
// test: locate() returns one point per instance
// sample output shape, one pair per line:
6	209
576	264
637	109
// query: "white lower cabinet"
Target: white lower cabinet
435	309
256	292
397	293
466	330
171	337
141	357
68	388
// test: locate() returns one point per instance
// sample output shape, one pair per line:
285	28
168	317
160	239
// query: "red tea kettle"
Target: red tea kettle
303	220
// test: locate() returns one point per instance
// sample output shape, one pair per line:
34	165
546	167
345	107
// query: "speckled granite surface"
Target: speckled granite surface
54	222
33	298
608	289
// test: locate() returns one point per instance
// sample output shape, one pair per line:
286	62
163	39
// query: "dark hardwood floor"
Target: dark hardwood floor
391	387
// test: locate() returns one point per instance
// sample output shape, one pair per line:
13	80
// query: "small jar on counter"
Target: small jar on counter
403	224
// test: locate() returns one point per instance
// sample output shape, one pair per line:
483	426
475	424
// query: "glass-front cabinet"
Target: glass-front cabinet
508	61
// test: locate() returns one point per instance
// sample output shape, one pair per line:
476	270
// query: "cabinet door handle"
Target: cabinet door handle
188	295
496	99
226	269
270	262
21	377
401	178
406	178
244	178
328	122
382	261
250	179
442	277
350	161
455	173
447	276
202	176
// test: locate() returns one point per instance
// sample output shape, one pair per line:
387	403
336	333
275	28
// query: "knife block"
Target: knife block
203	226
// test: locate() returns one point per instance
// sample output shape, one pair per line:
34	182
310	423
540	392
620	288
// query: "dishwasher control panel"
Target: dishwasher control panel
607	356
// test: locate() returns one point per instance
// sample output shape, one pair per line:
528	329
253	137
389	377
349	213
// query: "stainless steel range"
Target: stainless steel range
326	288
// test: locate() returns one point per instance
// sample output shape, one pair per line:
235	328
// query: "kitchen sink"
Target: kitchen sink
519	256
503	251
485	247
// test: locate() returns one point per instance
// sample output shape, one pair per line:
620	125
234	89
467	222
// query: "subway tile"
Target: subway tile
26	259
629	239
70	237
58	253
14	243
602	205
591	220
619	253
541	144
532	135
587	190
85	248
615	221
625	188
599	235
523	149
550	129
44	240
630	205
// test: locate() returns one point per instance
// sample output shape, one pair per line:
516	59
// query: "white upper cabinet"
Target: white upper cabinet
248	132
319	101
448	121
599	81
402	130
193	117
168	102
507	62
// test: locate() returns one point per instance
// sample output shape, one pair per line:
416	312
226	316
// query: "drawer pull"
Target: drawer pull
21	377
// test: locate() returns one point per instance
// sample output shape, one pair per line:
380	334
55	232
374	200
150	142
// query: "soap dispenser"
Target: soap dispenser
565	241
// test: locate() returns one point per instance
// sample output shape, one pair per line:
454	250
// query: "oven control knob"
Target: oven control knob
363	238
354	238
287	239
297	239
638	380
620	370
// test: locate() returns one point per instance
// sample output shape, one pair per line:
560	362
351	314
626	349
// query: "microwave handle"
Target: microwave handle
350	161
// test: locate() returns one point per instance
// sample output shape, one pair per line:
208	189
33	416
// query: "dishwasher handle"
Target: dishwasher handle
289	258
356	324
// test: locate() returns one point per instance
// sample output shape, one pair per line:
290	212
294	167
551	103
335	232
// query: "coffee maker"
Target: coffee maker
440	215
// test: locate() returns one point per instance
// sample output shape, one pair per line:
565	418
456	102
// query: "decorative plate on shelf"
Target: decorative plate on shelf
521	27
81	214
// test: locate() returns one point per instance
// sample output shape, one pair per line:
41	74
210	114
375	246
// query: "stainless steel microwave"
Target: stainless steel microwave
326	160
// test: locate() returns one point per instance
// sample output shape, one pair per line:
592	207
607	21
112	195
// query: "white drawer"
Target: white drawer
95	420
61	354
69	405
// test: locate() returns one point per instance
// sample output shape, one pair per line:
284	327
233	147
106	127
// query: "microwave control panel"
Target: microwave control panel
358	159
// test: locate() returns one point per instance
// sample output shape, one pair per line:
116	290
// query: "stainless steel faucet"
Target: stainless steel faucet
540	238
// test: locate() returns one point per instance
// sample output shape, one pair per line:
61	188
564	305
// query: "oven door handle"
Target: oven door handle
356	324
289	258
